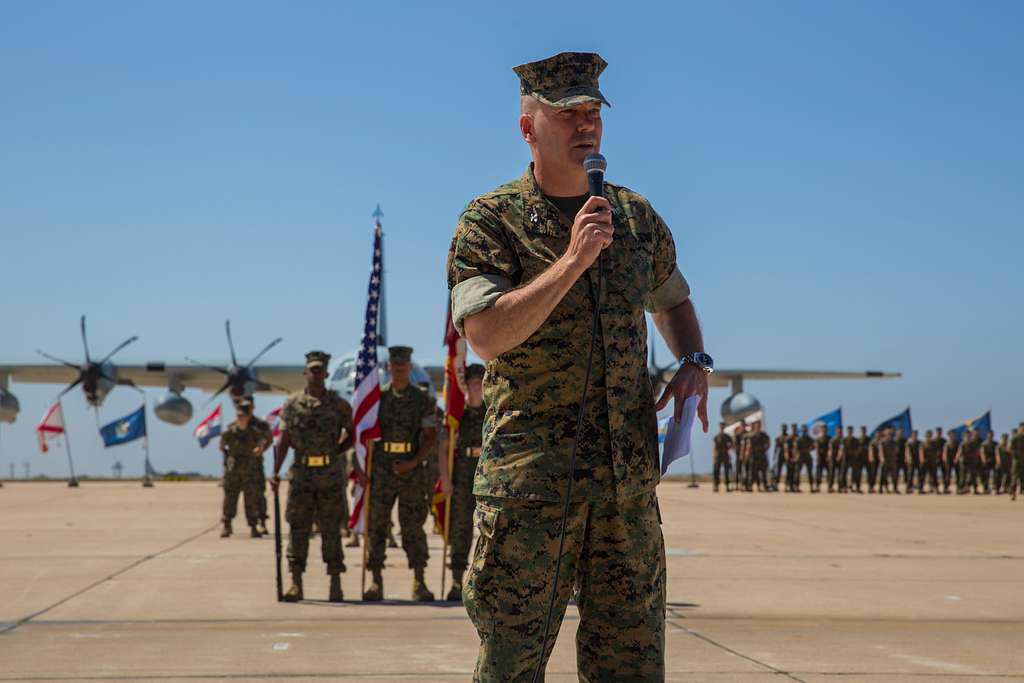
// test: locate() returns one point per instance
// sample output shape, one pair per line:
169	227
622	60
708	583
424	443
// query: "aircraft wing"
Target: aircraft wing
722	378
157	374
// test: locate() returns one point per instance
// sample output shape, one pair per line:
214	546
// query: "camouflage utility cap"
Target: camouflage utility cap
565	80
317	358
400	354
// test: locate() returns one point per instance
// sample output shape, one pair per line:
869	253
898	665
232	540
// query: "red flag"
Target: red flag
437	510
51	426
273	419
454	374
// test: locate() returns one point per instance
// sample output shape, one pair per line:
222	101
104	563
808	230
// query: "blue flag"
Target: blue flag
901	421
982	423
828	423
128	428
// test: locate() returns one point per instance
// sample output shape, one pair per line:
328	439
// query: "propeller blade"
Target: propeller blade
222	371
231	344
123	344
265	349
57	360
219	392
70	387
85	343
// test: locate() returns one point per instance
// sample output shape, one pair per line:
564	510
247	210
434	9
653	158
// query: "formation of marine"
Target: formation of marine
884	462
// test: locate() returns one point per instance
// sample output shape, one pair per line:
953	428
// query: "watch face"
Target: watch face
703	360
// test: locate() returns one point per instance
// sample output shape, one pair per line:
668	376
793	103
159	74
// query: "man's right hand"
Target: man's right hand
592	231
274	482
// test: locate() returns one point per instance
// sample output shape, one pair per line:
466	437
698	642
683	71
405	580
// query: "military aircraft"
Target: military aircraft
98	378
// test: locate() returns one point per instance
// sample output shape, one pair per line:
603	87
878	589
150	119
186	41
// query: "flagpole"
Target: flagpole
366	513
446	530
147	481
72	482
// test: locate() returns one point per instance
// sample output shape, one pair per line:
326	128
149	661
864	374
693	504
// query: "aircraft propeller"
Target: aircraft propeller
239	379
97	377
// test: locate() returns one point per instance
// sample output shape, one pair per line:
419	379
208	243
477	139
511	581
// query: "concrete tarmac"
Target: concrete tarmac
114	582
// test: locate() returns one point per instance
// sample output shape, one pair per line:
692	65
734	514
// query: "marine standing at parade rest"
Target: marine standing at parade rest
757	444
1017	468
781	454
950	467
742	463
852	461
901	449
408	428
243	444
836	464
912	456
460	484
722	446
931	452
988	461
868	458
526	287
970	461
821	448
890	455
803	446
317	423
1004	463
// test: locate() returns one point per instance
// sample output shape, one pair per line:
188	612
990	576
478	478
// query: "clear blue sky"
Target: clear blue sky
843	181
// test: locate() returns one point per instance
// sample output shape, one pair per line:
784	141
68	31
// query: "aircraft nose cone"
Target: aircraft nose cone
739	406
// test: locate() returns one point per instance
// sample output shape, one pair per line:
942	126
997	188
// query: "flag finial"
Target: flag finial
378	214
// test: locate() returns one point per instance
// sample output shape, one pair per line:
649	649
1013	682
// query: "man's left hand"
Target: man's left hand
688	381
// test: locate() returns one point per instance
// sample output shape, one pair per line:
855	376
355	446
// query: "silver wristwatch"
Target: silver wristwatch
701	360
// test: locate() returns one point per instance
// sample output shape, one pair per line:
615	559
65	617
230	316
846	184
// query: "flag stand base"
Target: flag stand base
147	483
72	483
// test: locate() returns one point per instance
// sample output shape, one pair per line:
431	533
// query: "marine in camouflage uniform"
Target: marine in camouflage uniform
836	464
408	435
722	446
988	462
874	460
1017	468
931	453
243	444
757	444
460	483
866	458
901	449
822	467
510	245
912	457
852	466
803	446
742	461
1004	463
890	453
970	462
950	467
317	423
782	444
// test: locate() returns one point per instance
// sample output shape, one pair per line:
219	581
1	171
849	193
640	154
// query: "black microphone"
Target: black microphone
595	165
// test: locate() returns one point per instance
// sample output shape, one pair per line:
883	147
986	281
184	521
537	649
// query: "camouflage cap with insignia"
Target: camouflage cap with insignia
565	80
475	371
318	358
400	354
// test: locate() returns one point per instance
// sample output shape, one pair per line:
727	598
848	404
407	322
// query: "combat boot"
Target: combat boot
455	593
226	531
419	589
261	527
294	592
254	532
353	542
375	593
334	594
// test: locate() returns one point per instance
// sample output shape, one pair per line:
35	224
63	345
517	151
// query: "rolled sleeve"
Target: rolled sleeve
471	296
669	294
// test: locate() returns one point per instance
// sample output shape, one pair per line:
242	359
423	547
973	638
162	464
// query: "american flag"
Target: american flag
273	419
366	400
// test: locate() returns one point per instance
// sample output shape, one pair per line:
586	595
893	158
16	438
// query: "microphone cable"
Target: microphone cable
598	298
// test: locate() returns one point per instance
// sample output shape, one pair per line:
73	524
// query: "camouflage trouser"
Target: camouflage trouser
614	556
801	462
915	474
930	471
873	468
1001	477
742	467
947	474
821	470
261	476
241	476
855	466
315	496
972	472
463	502
988	473
890	473
385	487
757	472
722	463
1016	476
